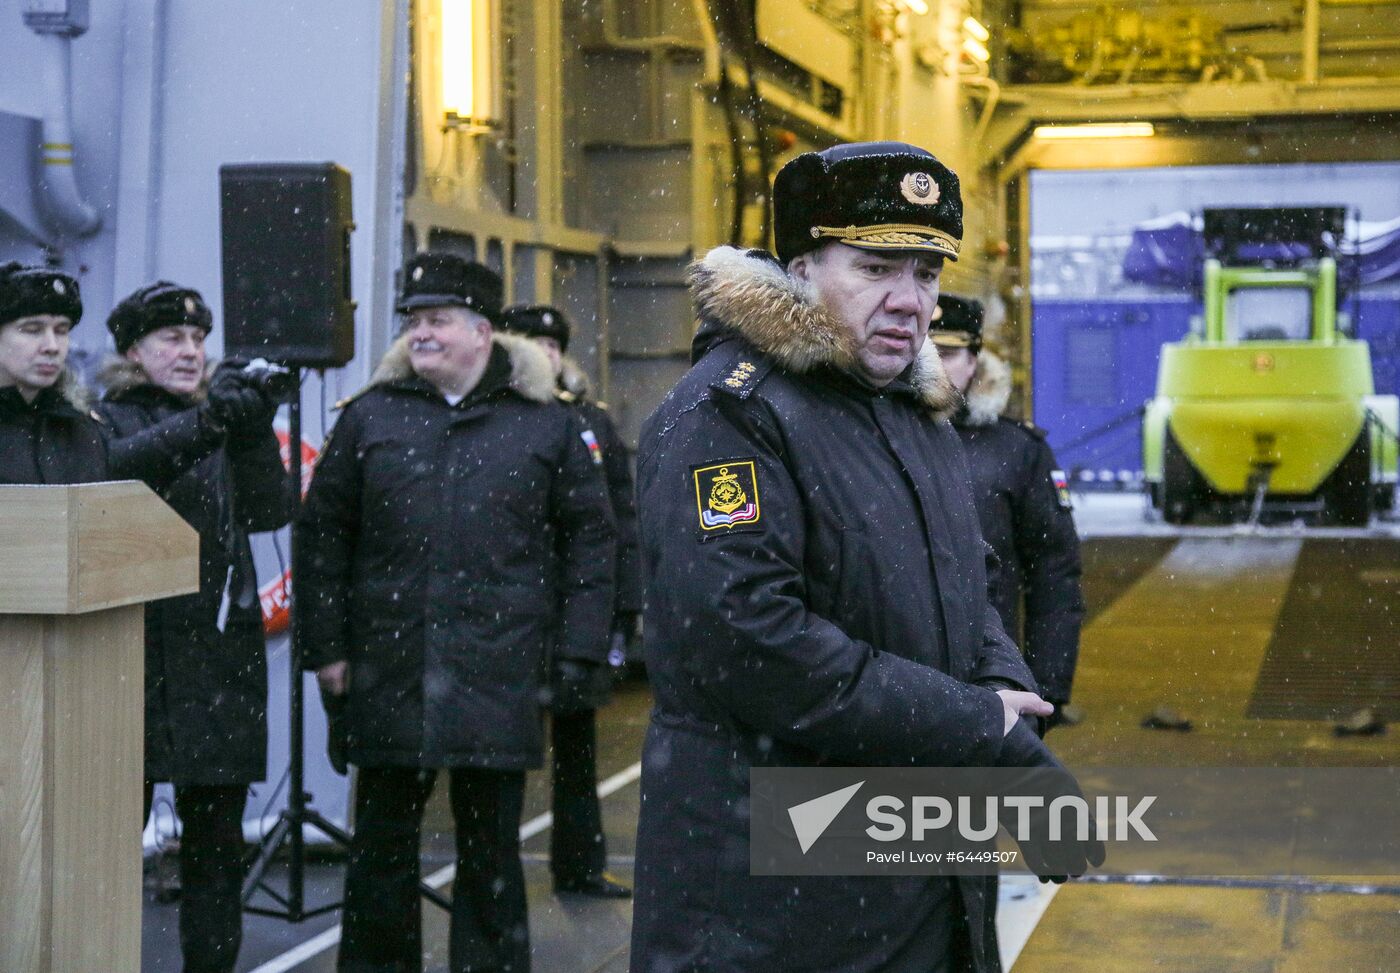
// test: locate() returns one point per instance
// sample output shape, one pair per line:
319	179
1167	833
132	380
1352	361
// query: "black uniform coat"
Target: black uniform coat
843	618
609	452
1026	518
440	549
622	492
53	439
206	690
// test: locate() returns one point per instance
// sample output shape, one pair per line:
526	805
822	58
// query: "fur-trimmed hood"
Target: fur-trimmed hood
750	293
66	393
989	392
531	375
74	392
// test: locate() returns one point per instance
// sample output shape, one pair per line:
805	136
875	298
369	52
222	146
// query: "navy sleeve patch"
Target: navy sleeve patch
595	452
1061	484
726	495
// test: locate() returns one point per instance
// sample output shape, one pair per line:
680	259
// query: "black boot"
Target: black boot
599	886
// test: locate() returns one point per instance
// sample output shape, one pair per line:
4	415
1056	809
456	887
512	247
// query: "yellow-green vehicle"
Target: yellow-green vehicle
1249	413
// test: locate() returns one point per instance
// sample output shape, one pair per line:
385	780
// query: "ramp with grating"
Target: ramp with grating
1337	644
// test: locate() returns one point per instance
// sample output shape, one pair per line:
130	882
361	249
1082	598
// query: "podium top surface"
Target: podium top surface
65	550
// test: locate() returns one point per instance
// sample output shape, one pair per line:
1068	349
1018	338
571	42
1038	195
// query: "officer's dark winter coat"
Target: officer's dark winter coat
844	621
206	690
52	439
435	548
621	490
1029	526
611	455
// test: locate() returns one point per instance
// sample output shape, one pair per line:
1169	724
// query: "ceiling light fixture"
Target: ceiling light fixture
1097	130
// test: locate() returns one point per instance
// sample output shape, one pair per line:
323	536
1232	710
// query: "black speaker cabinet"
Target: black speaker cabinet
286	262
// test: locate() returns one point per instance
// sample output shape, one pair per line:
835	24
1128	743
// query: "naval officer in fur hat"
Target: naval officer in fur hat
1023	501
815	578
456	534
201	436
47	433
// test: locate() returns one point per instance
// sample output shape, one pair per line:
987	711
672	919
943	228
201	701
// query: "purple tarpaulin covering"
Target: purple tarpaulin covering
1169	252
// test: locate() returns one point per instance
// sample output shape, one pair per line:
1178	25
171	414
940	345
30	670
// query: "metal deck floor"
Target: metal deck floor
1187	620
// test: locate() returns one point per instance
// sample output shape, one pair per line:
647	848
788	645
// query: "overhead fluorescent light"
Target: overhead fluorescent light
917	6
458	81
976	50
1097	130
974	27
467	61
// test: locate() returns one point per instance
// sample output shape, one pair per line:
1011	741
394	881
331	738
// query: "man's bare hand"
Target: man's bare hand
335	679
1017	704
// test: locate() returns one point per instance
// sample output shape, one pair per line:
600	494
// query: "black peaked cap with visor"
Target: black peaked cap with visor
538	321
872	195
957	323
434	279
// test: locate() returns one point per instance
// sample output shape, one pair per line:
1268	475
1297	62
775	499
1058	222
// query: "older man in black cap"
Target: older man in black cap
578	853
1023	501
816	585
456	531
47	434
206	444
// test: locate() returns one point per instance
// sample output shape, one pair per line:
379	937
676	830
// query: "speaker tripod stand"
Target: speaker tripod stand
292	824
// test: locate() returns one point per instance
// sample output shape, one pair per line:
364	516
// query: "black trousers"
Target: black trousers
382	925
211	873
576	846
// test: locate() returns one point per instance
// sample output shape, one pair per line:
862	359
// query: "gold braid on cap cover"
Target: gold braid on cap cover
894	236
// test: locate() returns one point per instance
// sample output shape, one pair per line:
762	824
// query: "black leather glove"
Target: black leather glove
337	737
236	401
573	686
1046	778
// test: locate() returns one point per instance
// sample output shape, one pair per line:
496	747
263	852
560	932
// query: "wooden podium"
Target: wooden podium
77	564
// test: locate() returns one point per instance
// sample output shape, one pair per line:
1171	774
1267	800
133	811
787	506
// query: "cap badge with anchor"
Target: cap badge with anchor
919	188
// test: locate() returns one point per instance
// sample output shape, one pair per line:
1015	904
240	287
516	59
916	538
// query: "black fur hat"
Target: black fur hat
436	279
538	321
957	323
156	306
872	195
27	291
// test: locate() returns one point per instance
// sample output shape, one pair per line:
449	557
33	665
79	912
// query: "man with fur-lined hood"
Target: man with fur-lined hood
816	586
200	436
1023	501
47	434
456	539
